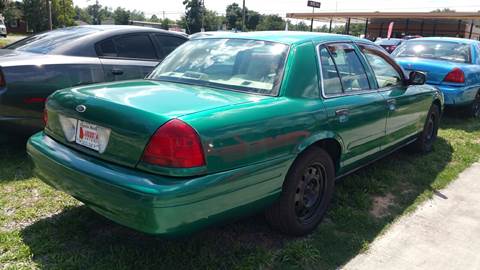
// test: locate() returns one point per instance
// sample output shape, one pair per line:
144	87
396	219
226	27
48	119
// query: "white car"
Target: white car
3	29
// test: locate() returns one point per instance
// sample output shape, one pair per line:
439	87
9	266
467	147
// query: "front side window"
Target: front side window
235	64
385	73
352	73
433	49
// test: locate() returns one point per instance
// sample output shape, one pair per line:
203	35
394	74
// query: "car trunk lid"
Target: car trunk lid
132	111
436	70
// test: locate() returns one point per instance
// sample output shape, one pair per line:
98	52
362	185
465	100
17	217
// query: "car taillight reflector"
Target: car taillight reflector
455	76
175	145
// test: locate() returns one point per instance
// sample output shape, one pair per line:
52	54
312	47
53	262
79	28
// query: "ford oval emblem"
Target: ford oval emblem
81	108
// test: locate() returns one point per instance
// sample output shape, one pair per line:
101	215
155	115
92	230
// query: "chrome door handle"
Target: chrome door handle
392	104
342	112
117	71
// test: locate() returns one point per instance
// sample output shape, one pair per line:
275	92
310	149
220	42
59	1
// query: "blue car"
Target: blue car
451	64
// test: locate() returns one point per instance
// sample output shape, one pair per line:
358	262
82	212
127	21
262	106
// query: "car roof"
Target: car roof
286	37
447	39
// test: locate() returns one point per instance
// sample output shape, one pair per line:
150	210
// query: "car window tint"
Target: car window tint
385	73
135	46
168	43
331	80
352	73
106	48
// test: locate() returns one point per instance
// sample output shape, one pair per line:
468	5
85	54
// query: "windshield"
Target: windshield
46	42
236	64
441	50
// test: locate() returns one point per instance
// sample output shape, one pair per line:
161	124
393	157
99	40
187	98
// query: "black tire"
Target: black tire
428	136
303	204
474	109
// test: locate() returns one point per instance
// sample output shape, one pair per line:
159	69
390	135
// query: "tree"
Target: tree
193	15
63	13
97	13
252	19
35	12
213	22
121	16
154	19
81	14
271	22
445	10
166	23
234	16
13	11
137	15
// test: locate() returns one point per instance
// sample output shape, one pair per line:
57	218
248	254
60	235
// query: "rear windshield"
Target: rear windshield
234	64
388	41
46	42
440	50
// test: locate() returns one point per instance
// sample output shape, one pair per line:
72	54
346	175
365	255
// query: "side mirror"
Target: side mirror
417	78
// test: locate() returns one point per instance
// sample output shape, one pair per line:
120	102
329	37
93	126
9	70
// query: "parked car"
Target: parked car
3	28
34	67
451	64
389	44
229	125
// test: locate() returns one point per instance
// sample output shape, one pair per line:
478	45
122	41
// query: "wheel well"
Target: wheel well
437	102
332	147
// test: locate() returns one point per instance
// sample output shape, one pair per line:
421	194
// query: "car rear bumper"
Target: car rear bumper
458	96
151	203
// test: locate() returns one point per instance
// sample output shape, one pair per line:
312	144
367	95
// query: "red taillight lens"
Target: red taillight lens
45	117
2	80
455	76
176	145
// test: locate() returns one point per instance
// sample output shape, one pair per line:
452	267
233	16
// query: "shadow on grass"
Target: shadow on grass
80	239
457	121
14	161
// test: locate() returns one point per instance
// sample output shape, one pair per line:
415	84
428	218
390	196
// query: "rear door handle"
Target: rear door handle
117	71
392	104
341	112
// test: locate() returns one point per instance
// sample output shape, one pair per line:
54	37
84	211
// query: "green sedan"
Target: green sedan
232	124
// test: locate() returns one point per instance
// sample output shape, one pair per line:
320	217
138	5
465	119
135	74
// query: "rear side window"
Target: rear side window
135	46
349	67
331	80
128	46
168	43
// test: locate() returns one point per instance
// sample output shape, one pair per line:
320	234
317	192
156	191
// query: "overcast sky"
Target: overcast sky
174	8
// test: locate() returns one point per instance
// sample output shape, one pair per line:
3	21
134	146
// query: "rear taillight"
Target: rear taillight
2	80
455	76
176	145
45	117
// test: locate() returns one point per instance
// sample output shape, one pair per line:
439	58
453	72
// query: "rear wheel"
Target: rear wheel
475	107
306	194
428	136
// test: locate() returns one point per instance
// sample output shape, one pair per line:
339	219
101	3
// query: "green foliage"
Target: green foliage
12	11
193	15
271	22
81	14
63	13
234	16
98	13
154	19
121	16
36	14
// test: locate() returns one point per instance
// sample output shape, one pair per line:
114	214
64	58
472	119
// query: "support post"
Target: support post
347	27
311	23
434	27
380	31
330	28
471	29
421	27
459	25
366	29
243	17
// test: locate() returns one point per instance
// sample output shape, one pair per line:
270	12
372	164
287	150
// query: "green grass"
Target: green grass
43	228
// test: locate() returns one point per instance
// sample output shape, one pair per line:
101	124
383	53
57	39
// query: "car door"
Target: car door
404	103
126	57
356	111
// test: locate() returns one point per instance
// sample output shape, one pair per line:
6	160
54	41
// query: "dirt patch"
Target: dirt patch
381	204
